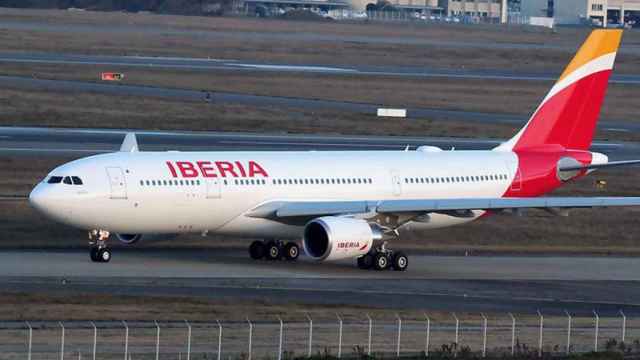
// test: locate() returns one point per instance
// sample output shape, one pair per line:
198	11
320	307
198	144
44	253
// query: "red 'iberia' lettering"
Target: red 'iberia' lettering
172	169
187	169
224	167
212	169
206	169
256	169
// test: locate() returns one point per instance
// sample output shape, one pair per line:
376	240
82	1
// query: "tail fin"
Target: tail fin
568	114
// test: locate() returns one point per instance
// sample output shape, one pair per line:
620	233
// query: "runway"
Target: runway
451	283
203	64
283	102
33	141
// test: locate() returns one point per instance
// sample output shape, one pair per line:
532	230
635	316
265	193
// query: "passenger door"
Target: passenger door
214	188
396	184
117	183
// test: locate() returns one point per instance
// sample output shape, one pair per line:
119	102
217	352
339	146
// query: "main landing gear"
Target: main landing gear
381	258
99	250
274	250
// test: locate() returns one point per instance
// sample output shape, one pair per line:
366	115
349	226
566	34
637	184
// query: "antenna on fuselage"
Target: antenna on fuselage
130	143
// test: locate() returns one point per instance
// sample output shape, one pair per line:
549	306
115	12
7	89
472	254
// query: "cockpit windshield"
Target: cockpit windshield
69	180
55	180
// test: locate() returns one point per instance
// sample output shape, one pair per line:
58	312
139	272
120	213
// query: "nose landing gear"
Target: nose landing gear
274	250
99	251
382	258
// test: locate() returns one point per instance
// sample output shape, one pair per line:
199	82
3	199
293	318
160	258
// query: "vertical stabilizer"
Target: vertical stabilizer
568	114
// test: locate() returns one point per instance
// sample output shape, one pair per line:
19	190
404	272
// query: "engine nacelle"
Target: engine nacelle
336	238
129	238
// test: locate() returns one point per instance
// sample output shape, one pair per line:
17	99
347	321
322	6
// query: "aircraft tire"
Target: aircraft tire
400	261
257	250
104	255
93	254
274	251
365	262
381	262
291	251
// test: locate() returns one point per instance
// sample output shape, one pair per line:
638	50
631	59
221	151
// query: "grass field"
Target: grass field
297	41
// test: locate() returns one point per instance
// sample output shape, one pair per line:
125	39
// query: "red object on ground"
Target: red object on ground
109	76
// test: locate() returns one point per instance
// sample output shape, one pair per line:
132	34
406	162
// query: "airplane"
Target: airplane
341	204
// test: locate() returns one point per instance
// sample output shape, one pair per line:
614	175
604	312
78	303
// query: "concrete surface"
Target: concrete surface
451	283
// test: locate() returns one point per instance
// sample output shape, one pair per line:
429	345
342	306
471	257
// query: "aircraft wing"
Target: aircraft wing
293	209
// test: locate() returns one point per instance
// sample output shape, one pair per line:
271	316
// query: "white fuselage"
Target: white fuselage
179	192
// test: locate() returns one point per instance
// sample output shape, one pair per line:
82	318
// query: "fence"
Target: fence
426	335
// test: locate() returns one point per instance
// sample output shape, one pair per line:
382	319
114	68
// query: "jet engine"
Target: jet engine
336	238
129	239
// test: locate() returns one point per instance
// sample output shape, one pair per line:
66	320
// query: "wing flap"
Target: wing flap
323	208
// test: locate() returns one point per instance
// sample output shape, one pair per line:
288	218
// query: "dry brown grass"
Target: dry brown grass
340	43
38	108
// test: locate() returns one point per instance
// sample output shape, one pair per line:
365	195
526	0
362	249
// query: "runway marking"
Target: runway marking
176	58
617	129
296	68
396	293
309	144
56	150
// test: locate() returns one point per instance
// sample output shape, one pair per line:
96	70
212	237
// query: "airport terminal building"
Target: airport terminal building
574	12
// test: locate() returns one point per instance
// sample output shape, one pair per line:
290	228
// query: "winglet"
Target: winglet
130	143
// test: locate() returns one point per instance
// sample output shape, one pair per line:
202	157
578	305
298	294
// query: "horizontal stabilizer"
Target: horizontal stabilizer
599	166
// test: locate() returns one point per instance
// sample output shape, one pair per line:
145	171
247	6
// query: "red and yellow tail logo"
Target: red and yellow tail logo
568	114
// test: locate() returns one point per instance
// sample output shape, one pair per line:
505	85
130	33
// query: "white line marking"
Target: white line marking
56	150
309	144
295	67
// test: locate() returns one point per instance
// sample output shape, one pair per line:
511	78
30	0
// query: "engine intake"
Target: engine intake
129	238
336	238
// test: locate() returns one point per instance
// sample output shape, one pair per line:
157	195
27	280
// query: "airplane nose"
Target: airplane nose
38	198
43	199
48	201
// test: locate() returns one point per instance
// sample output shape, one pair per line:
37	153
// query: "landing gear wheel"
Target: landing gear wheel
365	262
274	252
400	261
257	250
381	262
291	251
94	254
104	255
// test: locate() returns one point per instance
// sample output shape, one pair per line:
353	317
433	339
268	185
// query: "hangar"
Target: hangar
574	12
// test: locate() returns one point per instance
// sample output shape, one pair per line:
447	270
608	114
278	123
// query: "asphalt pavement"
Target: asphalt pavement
204	64
449	283
35	141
